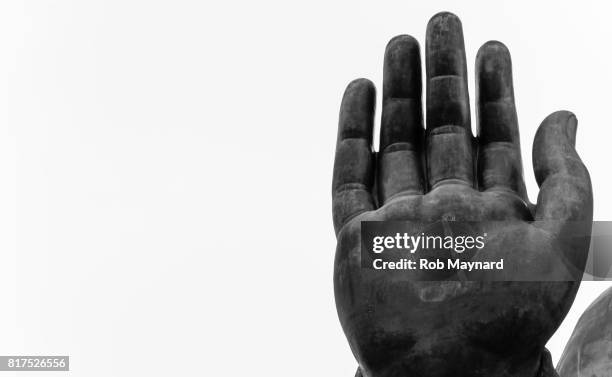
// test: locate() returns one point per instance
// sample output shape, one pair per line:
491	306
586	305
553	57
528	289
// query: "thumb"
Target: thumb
565	184
565	201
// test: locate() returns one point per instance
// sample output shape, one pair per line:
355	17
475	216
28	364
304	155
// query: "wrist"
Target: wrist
544	369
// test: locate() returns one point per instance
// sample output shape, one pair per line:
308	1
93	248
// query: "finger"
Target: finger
499	156
565	184
449	137
402	120
353	166
565	200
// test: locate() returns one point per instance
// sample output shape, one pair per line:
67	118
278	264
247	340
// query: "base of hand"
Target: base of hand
546	368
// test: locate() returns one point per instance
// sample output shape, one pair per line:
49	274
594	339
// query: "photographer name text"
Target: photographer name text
437	264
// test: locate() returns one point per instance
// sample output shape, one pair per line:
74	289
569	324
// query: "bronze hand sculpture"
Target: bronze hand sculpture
399	327
589	351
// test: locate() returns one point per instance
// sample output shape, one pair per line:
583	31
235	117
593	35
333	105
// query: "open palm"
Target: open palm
401	327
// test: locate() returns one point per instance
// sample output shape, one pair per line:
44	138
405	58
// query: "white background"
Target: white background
165	169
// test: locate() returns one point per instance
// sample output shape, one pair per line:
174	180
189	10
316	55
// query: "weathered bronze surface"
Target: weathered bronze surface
397	327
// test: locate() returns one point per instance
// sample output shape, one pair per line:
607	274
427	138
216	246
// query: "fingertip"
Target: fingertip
360	84
402	68
444	46
359	90
405	40
444	27
492	55
559	117
493	46
494	72
357	110
444	20
557	129
566	121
